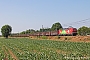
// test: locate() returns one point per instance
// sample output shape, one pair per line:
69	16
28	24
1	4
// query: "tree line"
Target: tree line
7	29
84	31
55	26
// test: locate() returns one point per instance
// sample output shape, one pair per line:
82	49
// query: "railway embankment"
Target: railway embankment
63	38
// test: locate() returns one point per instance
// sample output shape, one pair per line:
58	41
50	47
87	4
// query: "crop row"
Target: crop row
26	49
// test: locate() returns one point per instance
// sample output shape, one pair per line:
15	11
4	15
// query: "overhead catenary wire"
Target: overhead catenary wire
85	21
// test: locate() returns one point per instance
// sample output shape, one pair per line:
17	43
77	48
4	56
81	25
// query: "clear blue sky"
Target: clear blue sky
32	14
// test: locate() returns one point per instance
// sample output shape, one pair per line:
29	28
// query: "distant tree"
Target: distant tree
89	29
56	26
37	30
45	29
32	31
23	32
83	30
6	30
29	31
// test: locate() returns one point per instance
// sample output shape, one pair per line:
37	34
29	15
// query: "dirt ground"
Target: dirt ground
65	38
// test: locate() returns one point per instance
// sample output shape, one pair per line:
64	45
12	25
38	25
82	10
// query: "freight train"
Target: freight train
61	32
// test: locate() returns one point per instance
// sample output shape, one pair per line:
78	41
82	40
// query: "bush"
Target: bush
44	37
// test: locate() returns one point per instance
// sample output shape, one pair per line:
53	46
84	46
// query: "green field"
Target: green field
27	49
